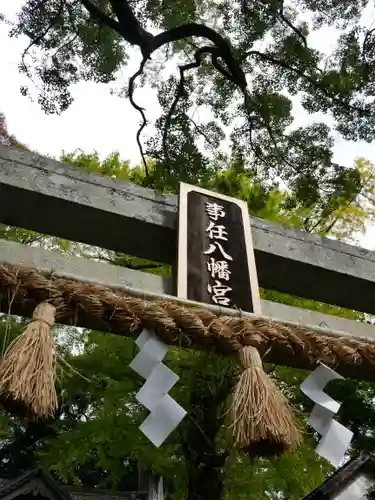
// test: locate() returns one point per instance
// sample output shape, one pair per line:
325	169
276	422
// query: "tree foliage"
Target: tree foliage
240	62
6	138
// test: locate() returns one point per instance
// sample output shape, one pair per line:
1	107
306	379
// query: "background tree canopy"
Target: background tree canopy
240	63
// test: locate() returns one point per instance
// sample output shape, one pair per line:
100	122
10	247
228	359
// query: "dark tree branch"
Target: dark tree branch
65	45
368	198
280	13
131	30
365	45
234	73
222	59
140	110
329	228
100	16
198	56
291	25
223	49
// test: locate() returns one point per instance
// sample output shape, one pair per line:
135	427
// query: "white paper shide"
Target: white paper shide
335	437
165	413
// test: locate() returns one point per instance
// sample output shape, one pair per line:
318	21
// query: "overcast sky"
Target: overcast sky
105	123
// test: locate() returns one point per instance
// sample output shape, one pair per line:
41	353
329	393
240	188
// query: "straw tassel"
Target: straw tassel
262	419
28	369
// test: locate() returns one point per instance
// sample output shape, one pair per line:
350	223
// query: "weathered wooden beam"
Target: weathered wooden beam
46	196
118	277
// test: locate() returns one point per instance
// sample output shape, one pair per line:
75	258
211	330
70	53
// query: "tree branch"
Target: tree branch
140	110
223	47
100	16
130	28
279	62
39	38
365	44
258	153
215	53
179	94
330	226
291	25
65	45
207	138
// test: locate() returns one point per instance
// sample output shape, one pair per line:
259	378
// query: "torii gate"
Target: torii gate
43	195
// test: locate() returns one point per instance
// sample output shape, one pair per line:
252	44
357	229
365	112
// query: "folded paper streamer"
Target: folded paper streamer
335	437
165	414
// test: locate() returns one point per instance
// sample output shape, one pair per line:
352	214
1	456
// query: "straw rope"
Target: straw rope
101	308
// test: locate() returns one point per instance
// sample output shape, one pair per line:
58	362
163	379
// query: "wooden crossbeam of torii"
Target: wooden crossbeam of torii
40	194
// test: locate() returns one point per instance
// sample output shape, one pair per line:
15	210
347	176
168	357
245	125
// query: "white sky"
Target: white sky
106	123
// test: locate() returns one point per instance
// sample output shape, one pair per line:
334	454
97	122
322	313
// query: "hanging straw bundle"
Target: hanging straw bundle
263	422
28	369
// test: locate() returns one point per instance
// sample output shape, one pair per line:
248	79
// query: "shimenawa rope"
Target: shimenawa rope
101	308
261	417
